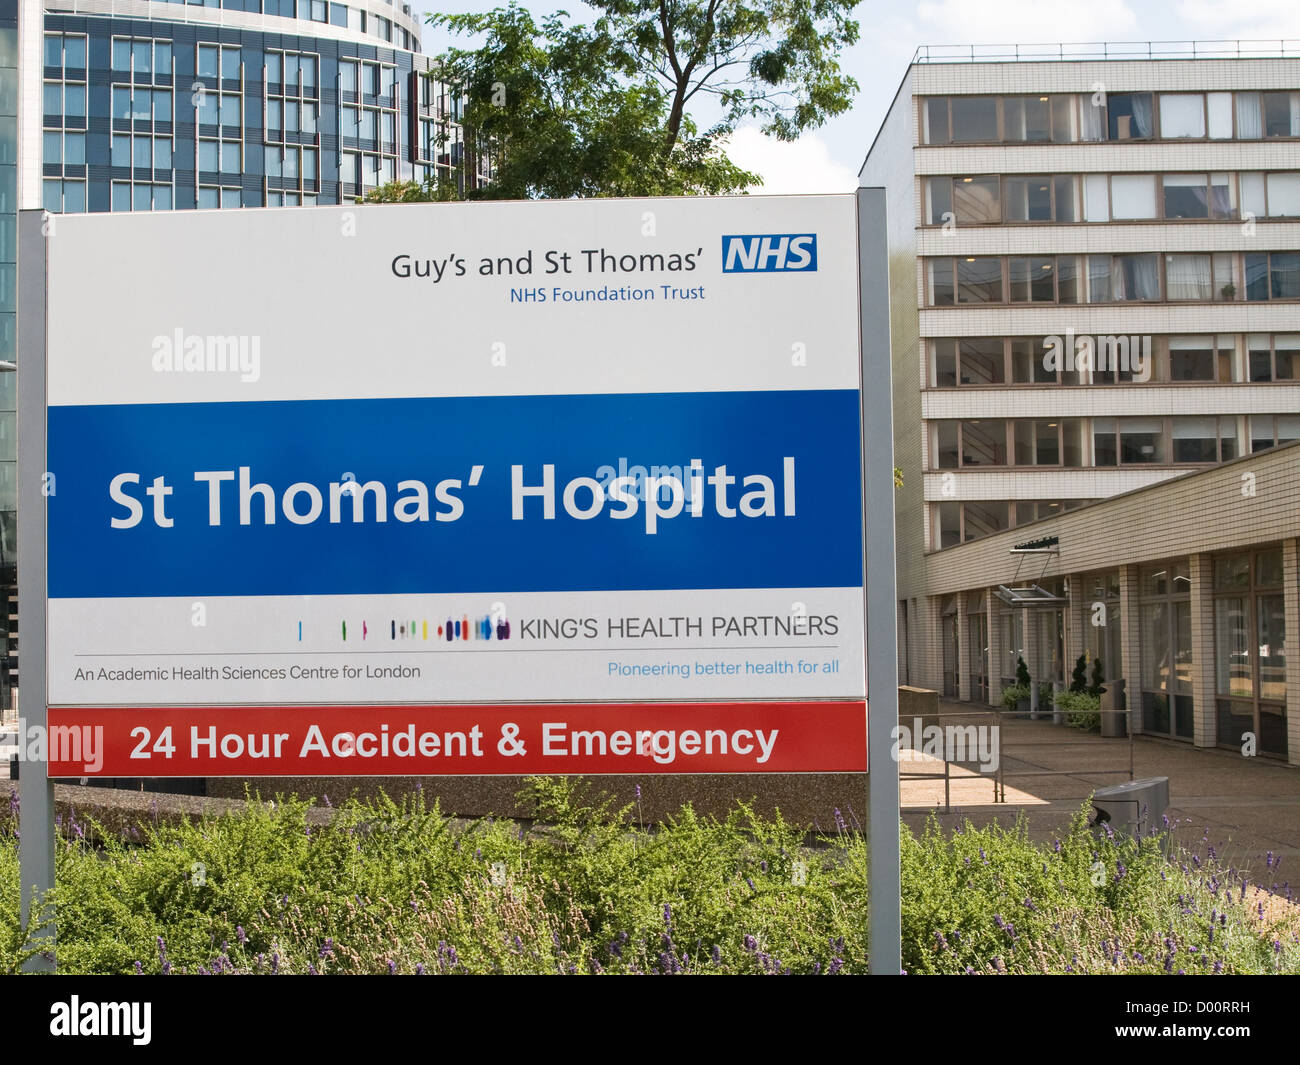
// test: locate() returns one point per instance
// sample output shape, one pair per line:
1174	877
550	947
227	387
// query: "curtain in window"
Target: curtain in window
1099	286
1141	114
1136	277
1188	277
1093	120
1295	114
1221	199
1250	120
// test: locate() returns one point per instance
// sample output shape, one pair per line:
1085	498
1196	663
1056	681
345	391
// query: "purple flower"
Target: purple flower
392	967
638	793
139	969
750	943
419	969
840	825
240	934
716	954
835	966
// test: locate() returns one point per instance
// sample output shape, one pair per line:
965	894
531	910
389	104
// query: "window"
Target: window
1165	625
1185	196
1273	430
1128	441
1273	358
1283	195
1272	275
1133	196
1182	115
1281	114
61	196
1128	116
1189	277
1047	442
1123	278
1198	358
1204	439
974	119
1141	441
1032	279
1250	649
979	280
1028	199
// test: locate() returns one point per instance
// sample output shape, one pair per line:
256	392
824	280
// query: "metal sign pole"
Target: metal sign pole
881	614
36	792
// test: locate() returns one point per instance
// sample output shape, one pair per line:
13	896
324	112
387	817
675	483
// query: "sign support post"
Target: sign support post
36	791
884	888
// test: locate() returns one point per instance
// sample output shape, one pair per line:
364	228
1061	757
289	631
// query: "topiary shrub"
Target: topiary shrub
1079	678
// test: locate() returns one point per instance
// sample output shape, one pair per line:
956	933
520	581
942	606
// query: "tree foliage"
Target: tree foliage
641	102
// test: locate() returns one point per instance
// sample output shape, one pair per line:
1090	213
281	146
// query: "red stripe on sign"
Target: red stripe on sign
805	737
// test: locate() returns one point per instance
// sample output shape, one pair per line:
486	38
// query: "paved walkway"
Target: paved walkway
1246	806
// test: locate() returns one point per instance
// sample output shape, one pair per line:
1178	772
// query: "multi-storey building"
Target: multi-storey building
1095	289
135	105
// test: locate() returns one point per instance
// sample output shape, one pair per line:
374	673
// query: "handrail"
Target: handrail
1106	51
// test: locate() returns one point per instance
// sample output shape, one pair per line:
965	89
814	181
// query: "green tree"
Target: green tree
561	110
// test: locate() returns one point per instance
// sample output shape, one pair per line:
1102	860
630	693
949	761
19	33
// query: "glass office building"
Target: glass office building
132	105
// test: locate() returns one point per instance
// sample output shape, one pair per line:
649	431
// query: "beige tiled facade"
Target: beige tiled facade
1148	514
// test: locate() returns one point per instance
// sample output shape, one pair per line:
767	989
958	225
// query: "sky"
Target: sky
828	159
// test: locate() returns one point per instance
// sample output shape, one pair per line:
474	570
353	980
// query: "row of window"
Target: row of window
359	79
1143	277
991	199
1116	116
1219	358
140	58
954	523
1077	443
322	11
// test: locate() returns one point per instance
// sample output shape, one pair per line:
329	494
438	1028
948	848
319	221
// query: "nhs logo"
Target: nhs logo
768	252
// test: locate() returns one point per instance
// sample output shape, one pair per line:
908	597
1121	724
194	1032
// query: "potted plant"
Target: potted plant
1015	697
1229	291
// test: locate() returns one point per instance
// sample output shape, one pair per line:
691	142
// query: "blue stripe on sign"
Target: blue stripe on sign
435	440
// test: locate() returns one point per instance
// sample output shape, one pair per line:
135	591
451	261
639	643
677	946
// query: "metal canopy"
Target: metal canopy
1028	595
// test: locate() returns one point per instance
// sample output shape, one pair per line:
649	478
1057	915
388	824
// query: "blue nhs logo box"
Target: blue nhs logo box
765	253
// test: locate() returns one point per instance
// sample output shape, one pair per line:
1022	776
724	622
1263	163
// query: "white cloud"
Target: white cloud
789	167
1257	21
1026	21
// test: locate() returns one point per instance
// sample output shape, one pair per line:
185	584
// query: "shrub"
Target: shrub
1013	694
1082	711
389	887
